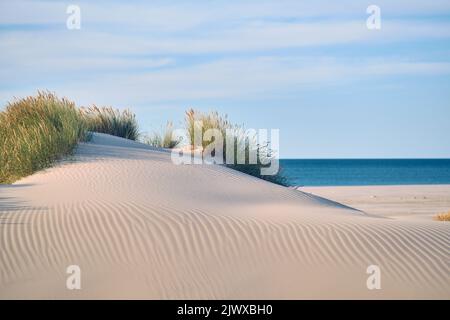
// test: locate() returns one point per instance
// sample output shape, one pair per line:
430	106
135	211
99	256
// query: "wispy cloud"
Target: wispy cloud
237	78
208	50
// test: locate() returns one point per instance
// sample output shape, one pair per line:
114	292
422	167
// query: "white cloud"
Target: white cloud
107	61
179	15
237	78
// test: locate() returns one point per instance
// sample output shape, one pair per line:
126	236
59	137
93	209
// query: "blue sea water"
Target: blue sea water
348	172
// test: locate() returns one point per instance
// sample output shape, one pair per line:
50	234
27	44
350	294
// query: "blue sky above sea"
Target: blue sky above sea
310	68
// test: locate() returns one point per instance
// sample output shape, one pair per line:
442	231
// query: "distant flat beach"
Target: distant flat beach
139	226
406	201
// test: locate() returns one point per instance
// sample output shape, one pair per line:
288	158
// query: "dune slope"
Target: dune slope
141	227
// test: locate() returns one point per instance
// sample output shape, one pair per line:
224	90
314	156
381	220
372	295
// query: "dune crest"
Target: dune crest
140	227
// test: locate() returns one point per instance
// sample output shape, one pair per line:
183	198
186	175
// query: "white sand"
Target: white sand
401	202
141	227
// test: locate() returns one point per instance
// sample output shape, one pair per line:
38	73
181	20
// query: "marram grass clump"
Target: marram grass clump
34	132
111	121
37	130
242	140
165	139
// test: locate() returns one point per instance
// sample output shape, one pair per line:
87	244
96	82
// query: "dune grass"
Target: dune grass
213	120
443	217
162	140
111	121
35	131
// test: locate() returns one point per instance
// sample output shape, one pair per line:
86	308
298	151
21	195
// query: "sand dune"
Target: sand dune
140	227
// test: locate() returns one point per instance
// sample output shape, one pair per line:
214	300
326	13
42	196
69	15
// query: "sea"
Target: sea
363	172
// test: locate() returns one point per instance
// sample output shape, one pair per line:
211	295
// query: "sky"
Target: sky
312	69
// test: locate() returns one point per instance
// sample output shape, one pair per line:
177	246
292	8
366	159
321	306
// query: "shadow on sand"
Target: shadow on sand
10	204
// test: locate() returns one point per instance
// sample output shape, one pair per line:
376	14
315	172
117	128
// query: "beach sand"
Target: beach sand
139	226
400	202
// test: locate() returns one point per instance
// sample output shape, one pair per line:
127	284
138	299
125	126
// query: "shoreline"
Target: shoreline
370	185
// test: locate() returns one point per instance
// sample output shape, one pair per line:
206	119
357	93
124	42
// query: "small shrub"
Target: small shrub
111	121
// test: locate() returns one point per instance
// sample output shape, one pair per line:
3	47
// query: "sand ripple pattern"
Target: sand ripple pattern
141	227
